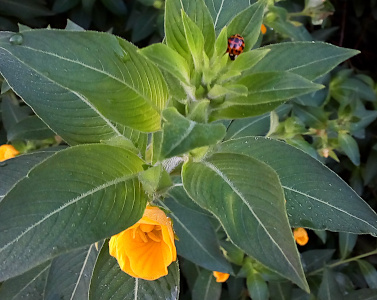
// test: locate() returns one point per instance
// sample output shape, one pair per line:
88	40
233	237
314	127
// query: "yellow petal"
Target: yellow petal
7	152
301	236
220	277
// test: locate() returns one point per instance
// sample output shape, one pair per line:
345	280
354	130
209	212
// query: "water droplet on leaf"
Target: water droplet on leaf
16	39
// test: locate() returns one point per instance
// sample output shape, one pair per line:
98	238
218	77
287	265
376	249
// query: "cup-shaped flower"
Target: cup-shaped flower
301	236
7	152
146	249
220	277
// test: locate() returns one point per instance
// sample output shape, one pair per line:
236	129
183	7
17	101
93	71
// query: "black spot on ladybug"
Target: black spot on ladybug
236	44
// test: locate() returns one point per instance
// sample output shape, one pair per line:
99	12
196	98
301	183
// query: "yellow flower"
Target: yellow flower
7	151
263	29
220	277
146	249
301	236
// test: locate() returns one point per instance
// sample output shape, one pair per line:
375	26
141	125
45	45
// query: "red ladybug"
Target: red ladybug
236	44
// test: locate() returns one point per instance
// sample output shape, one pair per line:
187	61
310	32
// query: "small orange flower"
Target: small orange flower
7	152
301	236
146	249
263	29
220	277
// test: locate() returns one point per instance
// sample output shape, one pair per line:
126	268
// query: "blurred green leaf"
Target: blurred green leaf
12	112
369	272
96	83
347	242
61	213
60	6
310	60
314	117
26	9
362	294
316	197
117	7
329	289
69	275
30	128
348	144
206	287
246	197
29	285
256	286
280	290
144	25
110	282
197	238
316	259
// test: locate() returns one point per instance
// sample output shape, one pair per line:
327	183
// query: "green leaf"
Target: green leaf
206	287
347	242
256	286
316	259
317	198
117	7
174	30
362	294
329	289
315	117
110	282
253	126
195	40
280	290
169	60
223	12
197	237
69	275
64	5
30	128
15	169
369	273
348	144
307	59
248	23
246	197
228	91
199	13
24	10
99	83
181	135
56	207
29	285
155	179
12	112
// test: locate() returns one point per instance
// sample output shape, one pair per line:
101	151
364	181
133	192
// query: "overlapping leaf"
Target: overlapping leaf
317	198
76	197
84	89
246	197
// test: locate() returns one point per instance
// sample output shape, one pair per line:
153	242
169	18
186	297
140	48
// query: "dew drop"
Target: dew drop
16	39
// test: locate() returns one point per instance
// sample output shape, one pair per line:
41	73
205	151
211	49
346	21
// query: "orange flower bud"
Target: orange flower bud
301	236
220	277
7	152
263	29
146	249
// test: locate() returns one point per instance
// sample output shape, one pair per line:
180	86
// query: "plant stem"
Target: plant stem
341	262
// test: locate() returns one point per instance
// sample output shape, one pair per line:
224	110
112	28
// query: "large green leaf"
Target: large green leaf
317	198
308	59
74	198
82	90
69	275
13	170
246	197
110	282
197	237
29	285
